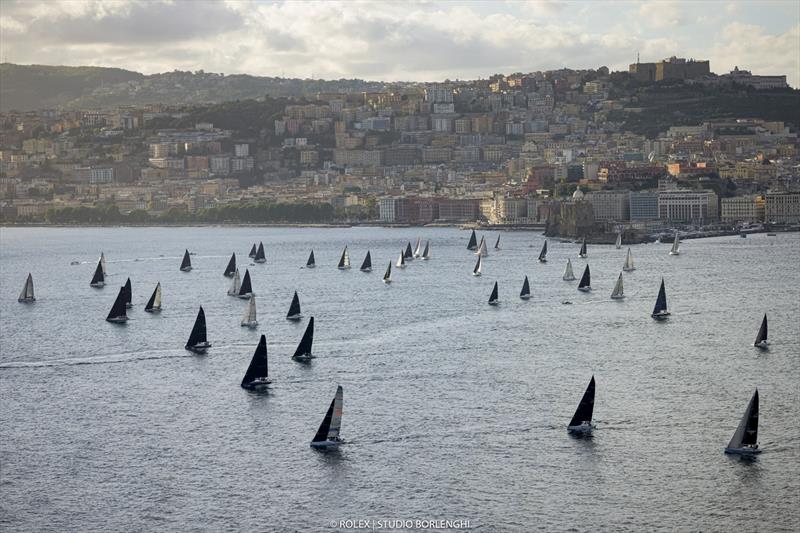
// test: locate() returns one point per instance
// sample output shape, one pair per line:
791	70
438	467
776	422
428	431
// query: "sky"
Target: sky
399	40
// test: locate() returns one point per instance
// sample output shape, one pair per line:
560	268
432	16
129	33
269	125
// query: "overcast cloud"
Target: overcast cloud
426	41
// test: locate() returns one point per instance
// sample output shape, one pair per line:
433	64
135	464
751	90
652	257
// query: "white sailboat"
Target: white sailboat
387	276
619	241
249	318
327	436
568	275
417	249
153	305
344	261
618	293
26	296
676	244
745	438
103	263
237	283
478	266
482	251
628	266
401	261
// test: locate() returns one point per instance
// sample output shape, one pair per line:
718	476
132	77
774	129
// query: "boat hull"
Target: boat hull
186	269
494	302
661	316
569	278
476	274
199	348
674	253
26	300
325	444
628	269
257	384
117	319
525	297
387	281
98	285
622	297
584	429
583	256
584	289
303	357
366	270
543	260
252	324
343	268
259	261
742	451
763	345
153	310
246	296
311	266
294	318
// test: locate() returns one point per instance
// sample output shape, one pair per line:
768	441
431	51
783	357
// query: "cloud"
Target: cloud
751	48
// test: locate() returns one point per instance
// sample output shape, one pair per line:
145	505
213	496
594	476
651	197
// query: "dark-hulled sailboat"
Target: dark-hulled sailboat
525	293
660	311
257	375
303	351
260	257
186	264
252	251
311	263
117	314
246	288
473	241
583	253
494	298
27	296
387	276
745	438
581	422
128	294
344	260
366	266
478	266
294	309
497	243
231	268
761	338
426	253
585	285
408	255
99	279
543	253
153	305
198	342
327	436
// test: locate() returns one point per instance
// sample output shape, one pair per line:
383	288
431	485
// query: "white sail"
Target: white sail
157	299
346	258
336	419
27	290
478	266
237	283
103	263
618	292
568	275
676	244
426	253
628	266
387	276
401	262
619	241
249	318
417	252
482	251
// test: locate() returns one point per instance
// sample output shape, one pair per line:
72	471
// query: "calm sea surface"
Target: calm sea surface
452	409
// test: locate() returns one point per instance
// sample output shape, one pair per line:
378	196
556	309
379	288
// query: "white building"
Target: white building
782	207
742	209
685	205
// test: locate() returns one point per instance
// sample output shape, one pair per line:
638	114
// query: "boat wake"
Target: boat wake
99	360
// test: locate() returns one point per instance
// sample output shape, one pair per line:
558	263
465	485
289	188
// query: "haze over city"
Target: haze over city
387	41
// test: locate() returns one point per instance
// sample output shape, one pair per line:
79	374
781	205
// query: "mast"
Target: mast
586	280
387	276
473	241
329	429
252	251
27	290
344	261
366	266
249	319
197	338
294	309
99	279
304	348
154	303
586	408
543	253
311	263
231	268
477	270
259	365
117	313
426	253
761	338
628	266
493	298
746	434
128	294
260	257
525	293
246	288
186	264
568	274
618	292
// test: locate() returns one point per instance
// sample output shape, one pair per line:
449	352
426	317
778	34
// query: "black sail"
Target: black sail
497	243
585	409
367	264
427	250
311	261
187	262
304	348
259	366
409	254
260	255
322	432
750	436
661	301
98	274
198	333
586	279
118	309
473	241
246	287
343	259
294	308
231	268
388	273
526	288
252	251
543	253
128	294
493	297
762	331
583	248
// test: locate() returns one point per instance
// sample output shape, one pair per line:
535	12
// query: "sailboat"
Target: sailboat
745	438
249	319
473	241
525	293
328	433
303	351
117	313
628	266
260	255
761	338
408	255
426	253
387	276
311	263
103	262
198	343
99	279
401	261
581	422
568	275
493	298
294	309
618	244
660	311
618	293
231	268
234	290
543	253
478	265
246	288
128	294
26	295
257	375
585	283
153	305
417	252
186	264
583	254
676	244
252	251
366	266
344	261
497	243
482	248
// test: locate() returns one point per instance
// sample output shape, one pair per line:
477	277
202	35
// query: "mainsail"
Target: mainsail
249	318
294	309
478	265
117	313
234	290
473	241
231	268
746	434
497	243
408	254
311	263
568	275
27	290
344	261
387	276
328	431
525	293
417	252
618	292
761	338
676	244
197	338
660	308
154	303
401	261
586	408
252	251
619	241
366	266
246	289
128	294
258	371
586	280
583	253
103	262
493	298
260	257
304	348
426	253
482	248
186	264
628	266
543	253
99	279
